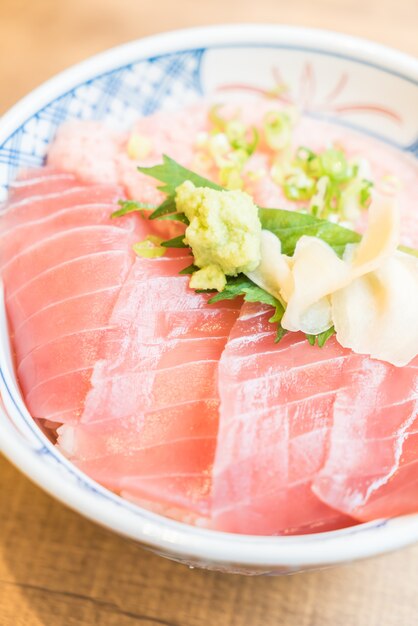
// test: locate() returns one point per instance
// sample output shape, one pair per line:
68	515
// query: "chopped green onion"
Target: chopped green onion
365	195
298	186
278	127
337	189
236	133
230	178
355	197
150	248
219	149
317	205
252	145
138	147
333	163
304	155
218	122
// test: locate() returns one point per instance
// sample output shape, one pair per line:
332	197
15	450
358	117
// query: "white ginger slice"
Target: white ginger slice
273	273
317	272
377	314
370	296
381	238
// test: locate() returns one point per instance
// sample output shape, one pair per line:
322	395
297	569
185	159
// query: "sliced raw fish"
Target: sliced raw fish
371	469
95	273
275	420
63	261
79	310
59	248
32	208
29	233
66	354
40	182
152	412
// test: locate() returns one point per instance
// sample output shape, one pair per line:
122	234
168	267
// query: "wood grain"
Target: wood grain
57	569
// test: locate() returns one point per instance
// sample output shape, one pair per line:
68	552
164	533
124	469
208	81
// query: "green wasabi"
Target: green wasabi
209	277
224	233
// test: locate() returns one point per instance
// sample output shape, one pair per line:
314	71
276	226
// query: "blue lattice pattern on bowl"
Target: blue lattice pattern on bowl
118	96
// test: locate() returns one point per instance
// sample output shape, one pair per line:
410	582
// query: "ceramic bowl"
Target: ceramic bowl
349	81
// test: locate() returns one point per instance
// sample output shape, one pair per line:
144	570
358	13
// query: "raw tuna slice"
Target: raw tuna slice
30	232
63	261
150	421
96	153
275	419
40	182
371	469
35	207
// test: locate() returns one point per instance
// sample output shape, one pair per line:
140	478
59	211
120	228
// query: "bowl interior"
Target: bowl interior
346	81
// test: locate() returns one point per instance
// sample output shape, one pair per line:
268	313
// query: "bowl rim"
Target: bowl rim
156	531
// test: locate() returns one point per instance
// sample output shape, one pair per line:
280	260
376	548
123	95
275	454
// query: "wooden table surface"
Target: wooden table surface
57	569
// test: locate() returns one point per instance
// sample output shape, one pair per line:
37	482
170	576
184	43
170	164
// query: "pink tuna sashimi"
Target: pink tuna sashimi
371	469
150	421
56	287
40	182
87	149
161	456
60	248
63	262
33	208
86	305
96	153
275	419
30	232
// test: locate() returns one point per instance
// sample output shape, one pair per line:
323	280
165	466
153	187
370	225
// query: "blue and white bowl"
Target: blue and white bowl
330	76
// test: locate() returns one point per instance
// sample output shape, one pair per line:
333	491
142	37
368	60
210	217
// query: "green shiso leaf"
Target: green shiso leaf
290	226
176	217
243	286
172	174
176	242
165	208
276	318
322	338
130	206
188	270
311	339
